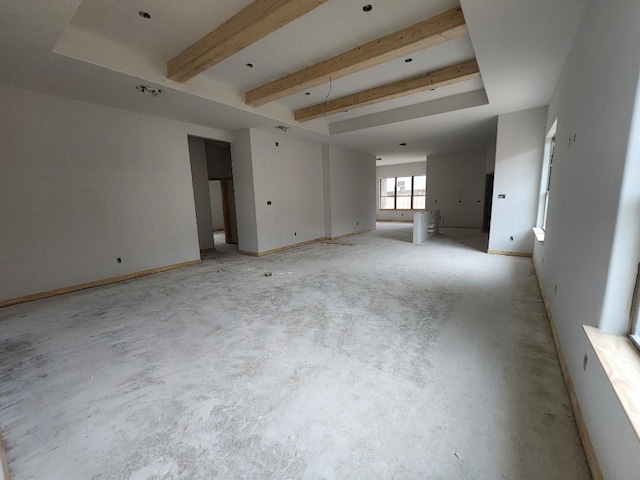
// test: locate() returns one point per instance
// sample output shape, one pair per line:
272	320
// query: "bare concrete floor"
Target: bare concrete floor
374	361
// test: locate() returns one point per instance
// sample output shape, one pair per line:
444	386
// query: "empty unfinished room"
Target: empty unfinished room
319	239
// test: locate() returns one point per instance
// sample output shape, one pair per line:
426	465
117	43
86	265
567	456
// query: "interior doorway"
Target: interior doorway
488	201
223	210
214	200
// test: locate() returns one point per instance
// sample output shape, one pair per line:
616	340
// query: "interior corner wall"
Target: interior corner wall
83	184
243	186
288	173
200	182
491	159
352	192
215	198
326	189
399	170
455	186
588	213
518	165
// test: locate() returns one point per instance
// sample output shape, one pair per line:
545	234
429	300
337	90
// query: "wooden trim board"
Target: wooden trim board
3	460
590	453
302	244
620	360
97	283
508	254
351	234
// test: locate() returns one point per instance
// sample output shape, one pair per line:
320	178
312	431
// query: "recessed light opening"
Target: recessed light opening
154	92
403	144
144	14
307	93
367	8
250	65
408	60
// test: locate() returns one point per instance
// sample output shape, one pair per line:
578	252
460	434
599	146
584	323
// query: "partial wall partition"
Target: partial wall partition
518	165
455	186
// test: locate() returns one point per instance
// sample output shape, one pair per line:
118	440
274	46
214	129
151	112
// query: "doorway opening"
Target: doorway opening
214	199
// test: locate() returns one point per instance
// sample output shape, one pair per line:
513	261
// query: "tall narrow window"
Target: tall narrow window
552	148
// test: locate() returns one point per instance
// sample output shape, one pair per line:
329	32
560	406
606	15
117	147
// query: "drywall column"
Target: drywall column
352	191
243	184
288	173
200	180
455	186
519	156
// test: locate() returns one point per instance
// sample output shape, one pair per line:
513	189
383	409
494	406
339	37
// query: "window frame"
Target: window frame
634	312
395	195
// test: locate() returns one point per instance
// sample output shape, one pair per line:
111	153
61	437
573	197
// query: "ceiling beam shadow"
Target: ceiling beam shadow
428	33
453	103
457	73
254	22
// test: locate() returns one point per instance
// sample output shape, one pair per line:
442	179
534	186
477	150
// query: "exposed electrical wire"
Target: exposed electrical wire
327	97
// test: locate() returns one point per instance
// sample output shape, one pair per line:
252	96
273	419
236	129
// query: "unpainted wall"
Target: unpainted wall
455	186
352	191
518	165
592	239
82	185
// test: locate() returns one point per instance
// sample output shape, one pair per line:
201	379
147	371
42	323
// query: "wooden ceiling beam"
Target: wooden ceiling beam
430	32
254	22
419	83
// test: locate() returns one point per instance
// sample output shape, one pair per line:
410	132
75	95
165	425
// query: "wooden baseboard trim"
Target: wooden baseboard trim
302	244
3	460
97	283
509	254
208	250
590	453
281	249
350	234
393	221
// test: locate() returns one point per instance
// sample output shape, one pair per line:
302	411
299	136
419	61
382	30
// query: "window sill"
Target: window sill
621	362
539	233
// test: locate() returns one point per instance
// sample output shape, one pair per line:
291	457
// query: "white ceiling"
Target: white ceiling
99	50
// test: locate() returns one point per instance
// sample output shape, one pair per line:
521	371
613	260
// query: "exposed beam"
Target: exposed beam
246	27
425	81
430	32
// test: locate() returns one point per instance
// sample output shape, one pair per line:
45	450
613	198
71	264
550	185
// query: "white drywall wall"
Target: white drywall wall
592	236
352	192
215	197
399	170
519	156
199	179
244	192
82	184
289	175
455	186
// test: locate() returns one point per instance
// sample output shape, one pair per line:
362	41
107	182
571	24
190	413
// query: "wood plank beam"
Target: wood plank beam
254	22
425	34
459	72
